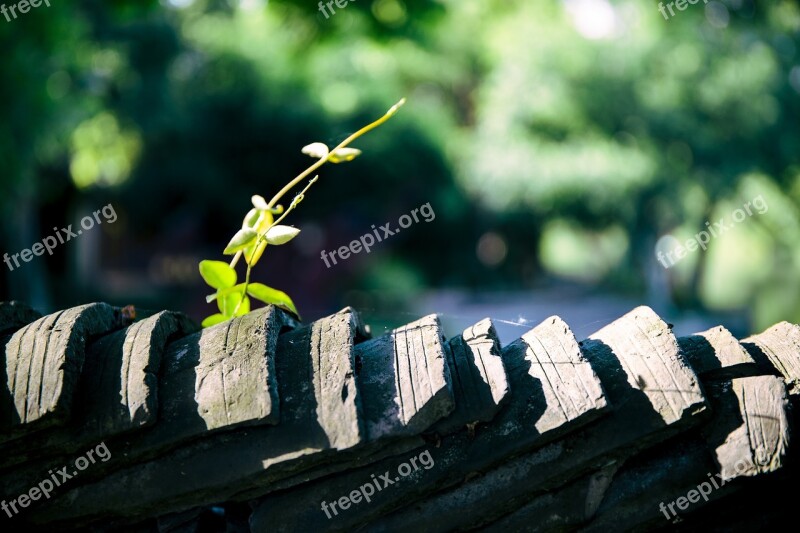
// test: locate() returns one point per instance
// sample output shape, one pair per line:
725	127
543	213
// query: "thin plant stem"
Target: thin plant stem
298	198
322	160
291	207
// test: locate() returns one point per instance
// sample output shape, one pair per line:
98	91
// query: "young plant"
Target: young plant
260	229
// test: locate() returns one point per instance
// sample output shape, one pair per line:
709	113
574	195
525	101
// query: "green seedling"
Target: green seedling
260	228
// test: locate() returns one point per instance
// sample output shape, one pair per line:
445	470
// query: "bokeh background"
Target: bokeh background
557	142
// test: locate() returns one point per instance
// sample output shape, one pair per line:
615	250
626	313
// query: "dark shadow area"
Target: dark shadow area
762	360
658	474
375	366
699	354
473	394
705	362
527	403
618	389
727	414
765	503
299	427
8	414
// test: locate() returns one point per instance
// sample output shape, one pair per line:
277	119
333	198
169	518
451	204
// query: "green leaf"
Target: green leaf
244	308
281	234
259	202
226	303
259	220
264	222
213	320
252	259
240	241
224	292
343	155
316	150
268	295
218	274
229	300
251	219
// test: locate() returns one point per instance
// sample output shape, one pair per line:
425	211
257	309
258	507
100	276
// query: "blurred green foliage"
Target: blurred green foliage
557	138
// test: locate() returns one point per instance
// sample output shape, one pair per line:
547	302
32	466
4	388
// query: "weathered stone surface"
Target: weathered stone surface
220	378
479	378
125	366
536	397
14	315
184	522
780	345
658	476
406	380
562	509
189	405
224	376
545	461
715	353
655	395
747	437
568	381
43	363
649	355
218	467
117	390
750	430
334	370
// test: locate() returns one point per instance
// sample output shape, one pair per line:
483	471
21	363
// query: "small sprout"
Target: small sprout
259	228
343	155
316	150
